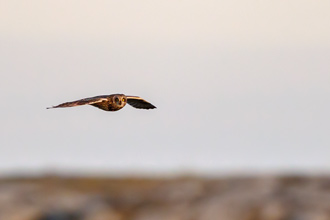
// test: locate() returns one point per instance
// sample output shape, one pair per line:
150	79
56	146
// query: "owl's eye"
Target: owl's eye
123	100
117	100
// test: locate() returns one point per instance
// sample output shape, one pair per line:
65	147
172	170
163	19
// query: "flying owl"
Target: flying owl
113	102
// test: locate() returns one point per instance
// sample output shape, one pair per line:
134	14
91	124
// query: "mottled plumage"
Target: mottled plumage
113	102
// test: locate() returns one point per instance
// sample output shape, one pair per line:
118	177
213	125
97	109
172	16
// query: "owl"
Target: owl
113	102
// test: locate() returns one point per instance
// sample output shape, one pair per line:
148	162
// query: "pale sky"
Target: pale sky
240	86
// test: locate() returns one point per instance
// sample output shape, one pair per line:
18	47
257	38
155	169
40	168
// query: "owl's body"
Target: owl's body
112	102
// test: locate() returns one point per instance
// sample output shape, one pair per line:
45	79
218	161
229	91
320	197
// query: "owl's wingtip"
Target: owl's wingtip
151	108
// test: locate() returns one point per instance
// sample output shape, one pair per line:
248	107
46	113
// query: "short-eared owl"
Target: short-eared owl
109	102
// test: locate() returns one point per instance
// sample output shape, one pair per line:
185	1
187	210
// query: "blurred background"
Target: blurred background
241	129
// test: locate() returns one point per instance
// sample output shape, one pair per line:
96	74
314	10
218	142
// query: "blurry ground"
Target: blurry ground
254	198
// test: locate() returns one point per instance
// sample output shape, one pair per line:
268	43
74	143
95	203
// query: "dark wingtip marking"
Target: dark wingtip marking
150	107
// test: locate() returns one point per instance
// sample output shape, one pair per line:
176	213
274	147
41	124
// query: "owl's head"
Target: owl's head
119	100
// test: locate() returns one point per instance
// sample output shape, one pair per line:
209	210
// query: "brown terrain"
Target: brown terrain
248	198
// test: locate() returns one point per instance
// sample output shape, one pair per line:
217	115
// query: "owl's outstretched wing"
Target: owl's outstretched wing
138	102
86	101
